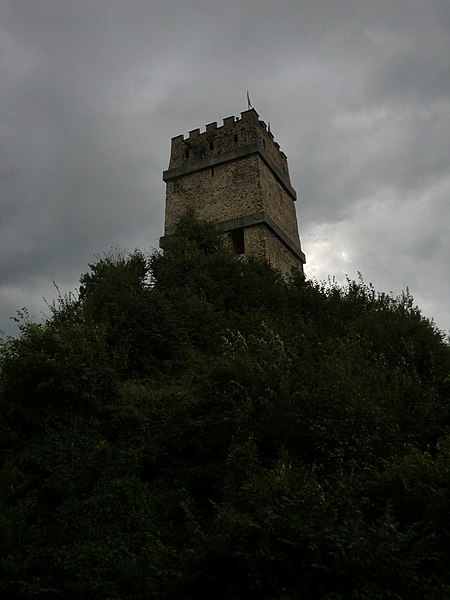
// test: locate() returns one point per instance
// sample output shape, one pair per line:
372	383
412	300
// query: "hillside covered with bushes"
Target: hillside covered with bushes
191	426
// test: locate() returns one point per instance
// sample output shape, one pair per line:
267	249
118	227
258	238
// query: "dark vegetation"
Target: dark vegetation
194	427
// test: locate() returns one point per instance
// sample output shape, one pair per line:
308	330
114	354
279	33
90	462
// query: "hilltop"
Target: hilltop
195	426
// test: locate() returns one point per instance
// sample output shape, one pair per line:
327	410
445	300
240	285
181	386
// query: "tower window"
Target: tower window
186	154
211	145
235	137
212	171
237	240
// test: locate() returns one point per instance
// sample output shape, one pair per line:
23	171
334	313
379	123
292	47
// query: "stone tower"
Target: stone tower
236	177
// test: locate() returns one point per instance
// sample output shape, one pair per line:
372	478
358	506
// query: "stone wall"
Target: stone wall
278	204
280	257
261	242
218	193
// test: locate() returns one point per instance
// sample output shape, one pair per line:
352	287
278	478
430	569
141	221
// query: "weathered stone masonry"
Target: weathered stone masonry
237	177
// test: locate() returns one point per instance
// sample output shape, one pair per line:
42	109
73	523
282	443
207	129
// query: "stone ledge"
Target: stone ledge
258	218
248	150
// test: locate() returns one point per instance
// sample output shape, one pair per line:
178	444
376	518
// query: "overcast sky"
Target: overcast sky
357	93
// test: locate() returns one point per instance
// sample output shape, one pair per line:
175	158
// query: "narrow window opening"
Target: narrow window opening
237	240
186	154
235	137
212	171
211	145
264	143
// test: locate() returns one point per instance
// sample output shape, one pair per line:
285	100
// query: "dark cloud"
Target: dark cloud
357	93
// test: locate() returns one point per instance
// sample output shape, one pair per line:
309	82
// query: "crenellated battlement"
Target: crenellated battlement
235	134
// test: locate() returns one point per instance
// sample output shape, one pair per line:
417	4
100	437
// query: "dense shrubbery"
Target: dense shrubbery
192	426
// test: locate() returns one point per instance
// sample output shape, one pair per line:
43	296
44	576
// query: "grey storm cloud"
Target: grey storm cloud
357	93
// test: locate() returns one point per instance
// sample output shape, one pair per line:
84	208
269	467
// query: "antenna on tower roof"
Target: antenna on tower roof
249	104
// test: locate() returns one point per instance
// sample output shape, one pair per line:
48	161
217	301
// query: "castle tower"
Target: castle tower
236	177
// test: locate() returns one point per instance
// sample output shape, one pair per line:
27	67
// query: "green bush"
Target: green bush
195	426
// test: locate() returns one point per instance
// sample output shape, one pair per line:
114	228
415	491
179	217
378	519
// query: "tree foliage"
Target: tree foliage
194	426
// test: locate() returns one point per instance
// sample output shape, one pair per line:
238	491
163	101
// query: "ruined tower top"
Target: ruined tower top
236	176
235	137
